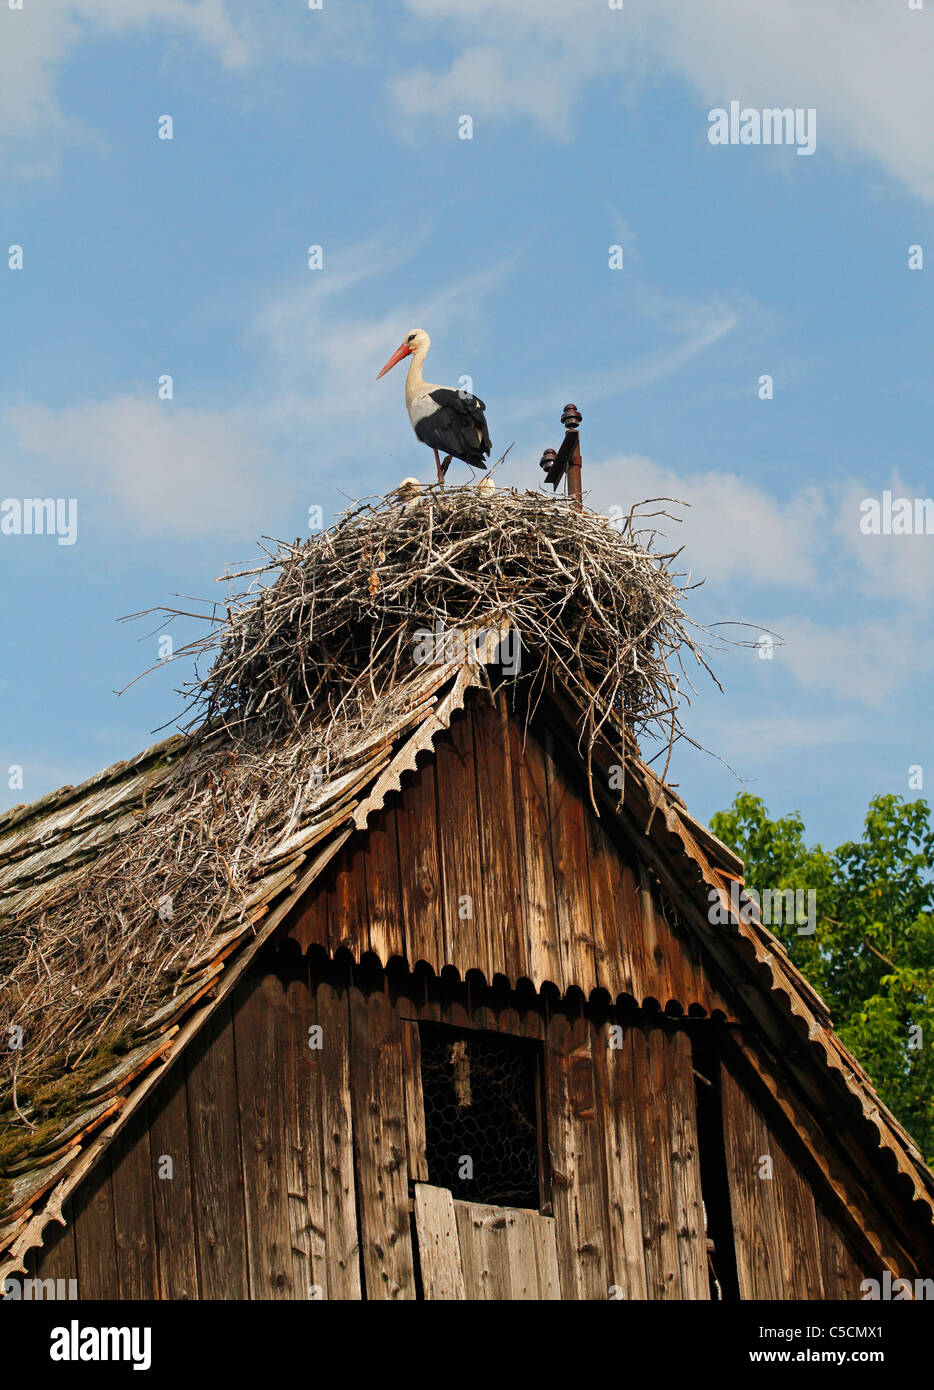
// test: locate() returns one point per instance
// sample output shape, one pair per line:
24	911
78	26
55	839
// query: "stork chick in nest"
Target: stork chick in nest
442	418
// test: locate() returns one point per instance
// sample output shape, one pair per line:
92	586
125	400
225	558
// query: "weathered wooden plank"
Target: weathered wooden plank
759	1258
217	1175
308	924
420	868
532	1020
796	1217
134	1214
95	1241
498	849
167	1115
57	1258
302	1140
380	1142
484	1252
568	835
658	982
663	1267
439	1250
455	1010
521	1254
575	1160
536	874
688	1208
632	919
773	1268
527	1236
337	1139
671	972
614	1080
261	1041
466	936
416	1146
420	741
841	1274
695	988
560	1151
612	930
486	882
677	963
348	924
546	1256
783	1203
856	1204
383	889
507	1253
799	1227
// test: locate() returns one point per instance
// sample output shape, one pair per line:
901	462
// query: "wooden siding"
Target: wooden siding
379	1129
284	1156
270	1168
238	1182
507	1253
471	1251
622	1231
266	1168
492	859
787	1246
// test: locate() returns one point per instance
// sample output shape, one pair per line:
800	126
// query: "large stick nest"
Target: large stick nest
594	600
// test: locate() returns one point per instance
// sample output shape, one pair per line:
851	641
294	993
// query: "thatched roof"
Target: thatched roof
130	906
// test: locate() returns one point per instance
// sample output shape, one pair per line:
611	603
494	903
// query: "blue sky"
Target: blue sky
339	127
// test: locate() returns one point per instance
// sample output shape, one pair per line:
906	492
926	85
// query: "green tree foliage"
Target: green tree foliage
872	955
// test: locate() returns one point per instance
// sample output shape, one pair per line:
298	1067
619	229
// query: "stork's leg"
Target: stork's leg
438	464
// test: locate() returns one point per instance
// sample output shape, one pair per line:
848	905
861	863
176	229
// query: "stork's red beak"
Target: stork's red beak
397	356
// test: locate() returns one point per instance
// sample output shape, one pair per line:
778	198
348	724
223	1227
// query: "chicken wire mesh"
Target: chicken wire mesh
481	1116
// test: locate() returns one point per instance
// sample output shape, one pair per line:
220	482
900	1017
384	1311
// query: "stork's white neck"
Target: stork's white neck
414	383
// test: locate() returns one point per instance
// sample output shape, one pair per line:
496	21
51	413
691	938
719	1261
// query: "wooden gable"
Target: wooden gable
492	859
284	1155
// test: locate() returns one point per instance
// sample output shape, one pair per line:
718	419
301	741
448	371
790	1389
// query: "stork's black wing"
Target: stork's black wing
458	427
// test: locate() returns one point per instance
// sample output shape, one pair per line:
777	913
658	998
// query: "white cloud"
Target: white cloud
731	530
740	538
522	58
886	567
753	741
482	82
862	662
208	20
161	470
37	41
865	67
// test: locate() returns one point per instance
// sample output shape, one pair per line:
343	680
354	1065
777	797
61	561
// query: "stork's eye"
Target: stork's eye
410	338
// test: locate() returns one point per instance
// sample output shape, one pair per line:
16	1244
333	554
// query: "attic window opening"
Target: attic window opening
481	1097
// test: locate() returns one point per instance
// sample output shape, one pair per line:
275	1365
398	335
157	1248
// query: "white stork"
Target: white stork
445	419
